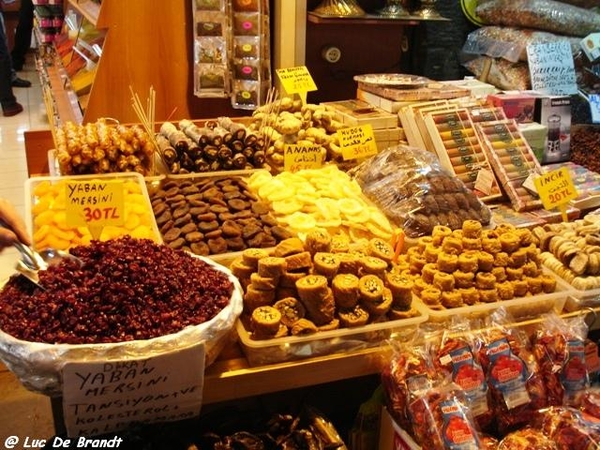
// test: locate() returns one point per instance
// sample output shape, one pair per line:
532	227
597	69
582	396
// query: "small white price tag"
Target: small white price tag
594	100
529	184
484	181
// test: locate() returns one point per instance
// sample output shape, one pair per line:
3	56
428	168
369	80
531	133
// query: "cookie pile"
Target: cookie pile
321	284
212	216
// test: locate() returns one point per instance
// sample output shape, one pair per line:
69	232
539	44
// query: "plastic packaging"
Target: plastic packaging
38	366
415	193
503	74
510	43
547	15
568	428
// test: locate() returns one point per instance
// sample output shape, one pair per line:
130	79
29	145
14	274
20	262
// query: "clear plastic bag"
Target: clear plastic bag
510	43
414	192
503	74
547	15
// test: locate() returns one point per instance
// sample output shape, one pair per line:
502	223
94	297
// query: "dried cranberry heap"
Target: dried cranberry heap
127	289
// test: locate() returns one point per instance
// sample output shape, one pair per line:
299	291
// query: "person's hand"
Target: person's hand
17	231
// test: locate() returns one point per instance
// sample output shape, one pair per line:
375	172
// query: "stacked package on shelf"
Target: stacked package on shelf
251	55
352	113
211	73
512	159
460	151
407	116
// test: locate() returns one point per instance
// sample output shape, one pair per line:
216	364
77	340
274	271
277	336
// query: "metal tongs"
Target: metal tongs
32	262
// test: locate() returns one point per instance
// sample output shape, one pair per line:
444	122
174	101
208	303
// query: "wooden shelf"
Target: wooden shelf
87	8
370	19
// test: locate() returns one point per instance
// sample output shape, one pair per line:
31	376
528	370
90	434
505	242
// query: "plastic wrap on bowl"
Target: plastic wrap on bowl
38	366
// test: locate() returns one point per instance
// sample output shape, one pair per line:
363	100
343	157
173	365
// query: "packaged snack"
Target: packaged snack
567	428
501	73
526	439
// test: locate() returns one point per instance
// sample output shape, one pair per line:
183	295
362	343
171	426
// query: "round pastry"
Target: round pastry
438	234
505	228
353	317
431	296
401	288
506	290
499	274
447	263
271	266
534	285
468	262
251	256
470	296
530	269
514	273
303	327
458	234
452	245
533	253
463	279
373	265
261	283
349	263
381	249
320	310
452	299
399	314
312	287
471	243
548	284
318	241
340	244
520	287
265	320
423	242
326	264
501	259
428	271
254	298
288	279
370	288
518	258
485	280
491	245
525	236
443	281
417	262
333	325
291	310
510	242
379	307
345	290
240	269
431	253
485	261
471	228
418	285
488	295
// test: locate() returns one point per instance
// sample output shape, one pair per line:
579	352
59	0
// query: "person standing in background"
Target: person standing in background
22	35
10	106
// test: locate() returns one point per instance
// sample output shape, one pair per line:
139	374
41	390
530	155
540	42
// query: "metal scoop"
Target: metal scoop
32	262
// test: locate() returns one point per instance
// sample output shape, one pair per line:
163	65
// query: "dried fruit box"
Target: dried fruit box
52	222
519	308
321	343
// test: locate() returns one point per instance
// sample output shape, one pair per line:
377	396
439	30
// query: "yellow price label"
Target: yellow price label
297	157
296	80
95	204
555	188
357	142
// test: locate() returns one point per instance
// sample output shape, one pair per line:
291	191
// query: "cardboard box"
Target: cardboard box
591	46
519	106
391	106
392	437
555	113
535	135
476	87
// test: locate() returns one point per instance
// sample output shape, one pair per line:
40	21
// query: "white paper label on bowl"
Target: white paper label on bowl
104	397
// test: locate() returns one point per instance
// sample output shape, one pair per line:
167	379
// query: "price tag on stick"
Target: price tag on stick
95	204
297	157
357	142
556	189
296	80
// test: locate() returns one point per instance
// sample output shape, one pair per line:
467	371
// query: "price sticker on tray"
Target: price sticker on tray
297	157
357	142
556	189
296	80
95	204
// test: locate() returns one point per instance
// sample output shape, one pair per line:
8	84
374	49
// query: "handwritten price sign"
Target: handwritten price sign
555	188
95	204
357	142
297	157
296	80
